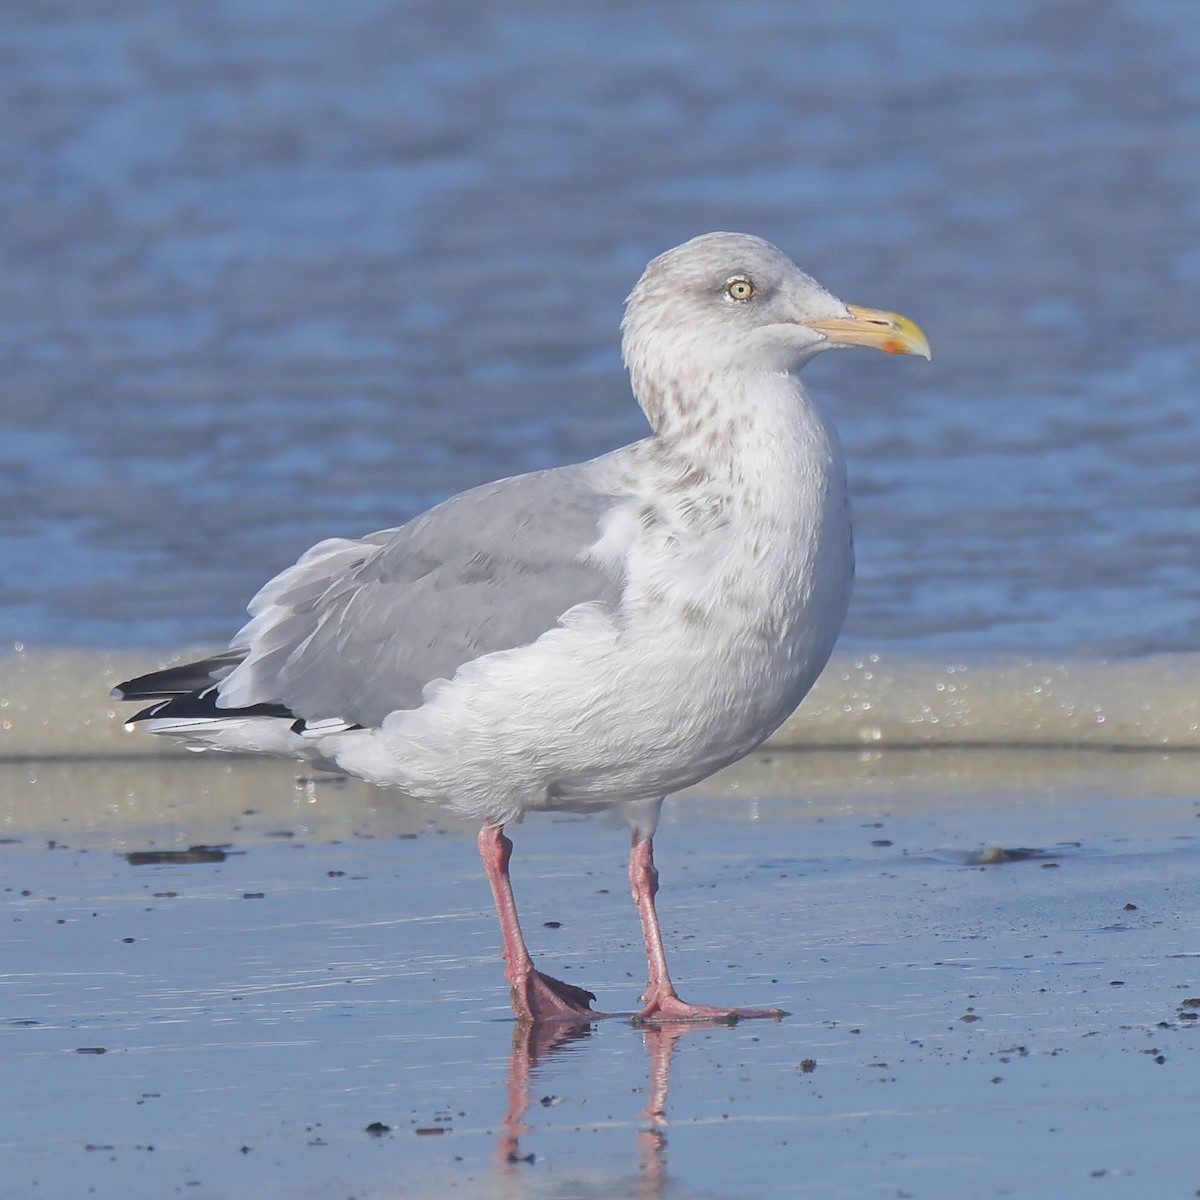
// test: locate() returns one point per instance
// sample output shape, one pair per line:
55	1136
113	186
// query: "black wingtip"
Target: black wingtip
180	680
203	706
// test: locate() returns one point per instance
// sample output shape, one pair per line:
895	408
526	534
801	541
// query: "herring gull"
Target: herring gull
587	637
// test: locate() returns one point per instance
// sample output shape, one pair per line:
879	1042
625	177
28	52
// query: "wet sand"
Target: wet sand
242	1018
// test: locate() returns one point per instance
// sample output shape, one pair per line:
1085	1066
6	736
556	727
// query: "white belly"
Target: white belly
625	706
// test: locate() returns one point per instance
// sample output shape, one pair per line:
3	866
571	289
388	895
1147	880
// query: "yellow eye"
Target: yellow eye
739	289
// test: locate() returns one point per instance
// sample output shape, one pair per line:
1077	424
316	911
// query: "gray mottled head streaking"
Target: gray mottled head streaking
731	303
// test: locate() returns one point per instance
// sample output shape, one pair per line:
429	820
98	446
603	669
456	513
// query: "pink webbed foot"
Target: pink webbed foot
661	1004
535	997
664	1007
541	997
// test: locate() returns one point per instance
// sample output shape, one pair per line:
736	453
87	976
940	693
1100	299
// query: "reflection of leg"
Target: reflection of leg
659	1041
520	1062
534	996
660	1000
531	1041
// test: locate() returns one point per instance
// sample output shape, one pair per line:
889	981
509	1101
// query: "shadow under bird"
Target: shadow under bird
589	637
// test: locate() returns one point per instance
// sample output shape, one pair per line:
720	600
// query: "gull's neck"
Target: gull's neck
744	480
740	426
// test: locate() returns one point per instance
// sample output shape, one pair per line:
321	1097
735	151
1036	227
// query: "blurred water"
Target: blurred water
275	271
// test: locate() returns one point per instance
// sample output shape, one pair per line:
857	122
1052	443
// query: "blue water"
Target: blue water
275	271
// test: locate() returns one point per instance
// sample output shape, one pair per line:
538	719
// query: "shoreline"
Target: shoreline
53	704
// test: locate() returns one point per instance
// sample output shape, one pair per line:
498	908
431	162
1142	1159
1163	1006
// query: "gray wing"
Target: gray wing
357	628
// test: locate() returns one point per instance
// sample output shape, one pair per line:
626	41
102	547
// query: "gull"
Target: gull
588	637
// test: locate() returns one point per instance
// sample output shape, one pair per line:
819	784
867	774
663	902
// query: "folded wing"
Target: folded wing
357	628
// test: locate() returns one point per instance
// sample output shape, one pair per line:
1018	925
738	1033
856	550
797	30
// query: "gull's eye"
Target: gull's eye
739	289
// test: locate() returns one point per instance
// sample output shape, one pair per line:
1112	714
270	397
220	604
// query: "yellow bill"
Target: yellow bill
885	331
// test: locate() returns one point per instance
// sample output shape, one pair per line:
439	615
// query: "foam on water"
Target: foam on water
56	705
897	700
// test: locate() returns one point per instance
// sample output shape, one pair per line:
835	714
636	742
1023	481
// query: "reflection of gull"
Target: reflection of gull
652	1142
532	1041
536	1041
590	636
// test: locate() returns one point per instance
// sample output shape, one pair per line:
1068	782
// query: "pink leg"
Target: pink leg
661	1001
535	997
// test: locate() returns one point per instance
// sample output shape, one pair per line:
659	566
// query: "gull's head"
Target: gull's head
730	302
